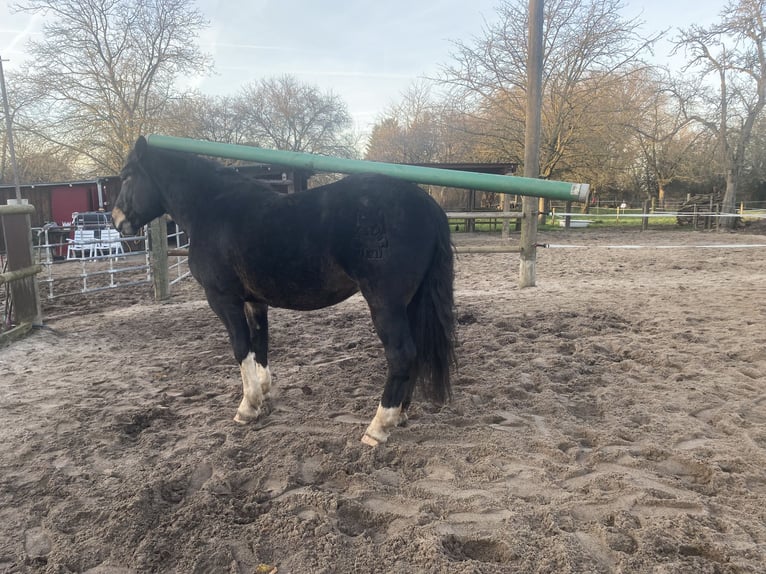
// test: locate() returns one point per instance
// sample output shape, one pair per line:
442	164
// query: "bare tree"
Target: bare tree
37	160
729	59
199	116
107	70
286	114
410	131
387	141
669	143
756	178
587	46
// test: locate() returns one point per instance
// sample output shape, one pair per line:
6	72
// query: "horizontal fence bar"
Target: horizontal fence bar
465	249
114	271
15	333
680	246
95	289
180	277
17	209
484	214
660	214
18	274
460	249
417	174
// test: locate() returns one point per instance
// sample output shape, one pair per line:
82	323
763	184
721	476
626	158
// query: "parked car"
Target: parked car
95	220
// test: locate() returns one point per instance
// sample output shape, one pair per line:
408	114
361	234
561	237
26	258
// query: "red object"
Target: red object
66	200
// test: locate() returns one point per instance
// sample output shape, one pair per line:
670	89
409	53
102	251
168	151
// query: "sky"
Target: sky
366	51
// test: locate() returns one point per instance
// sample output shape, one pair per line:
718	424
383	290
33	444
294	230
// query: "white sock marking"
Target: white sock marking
263	376
250	407
384	419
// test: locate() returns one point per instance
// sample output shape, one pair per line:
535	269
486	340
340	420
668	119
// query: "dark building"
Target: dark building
56	202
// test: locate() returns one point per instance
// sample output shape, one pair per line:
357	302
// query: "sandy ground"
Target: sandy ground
611	419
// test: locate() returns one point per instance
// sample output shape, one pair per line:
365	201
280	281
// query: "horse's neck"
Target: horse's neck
184	194
185	203
188	190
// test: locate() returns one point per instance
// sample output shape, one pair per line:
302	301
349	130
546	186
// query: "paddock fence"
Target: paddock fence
707	215
95	265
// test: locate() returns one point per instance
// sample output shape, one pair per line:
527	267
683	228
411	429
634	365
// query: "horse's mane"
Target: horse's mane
211	174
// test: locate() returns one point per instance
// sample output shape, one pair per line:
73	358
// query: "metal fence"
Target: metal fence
178	263
97	265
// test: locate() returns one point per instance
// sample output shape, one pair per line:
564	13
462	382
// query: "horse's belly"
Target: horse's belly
304	293
307	300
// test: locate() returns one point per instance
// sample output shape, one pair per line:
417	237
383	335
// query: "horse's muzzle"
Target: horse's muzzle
121	222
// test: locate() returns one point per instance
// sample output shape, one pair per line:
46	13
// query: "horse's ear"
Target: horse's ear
140	146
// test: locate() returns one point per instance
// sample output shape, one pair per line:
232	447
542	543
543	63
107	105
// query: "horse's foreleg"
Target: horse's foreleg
252	395
394	331
231	310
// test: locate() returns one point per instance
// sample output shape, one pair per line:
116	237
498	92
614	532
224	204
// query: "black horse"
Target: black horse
252	247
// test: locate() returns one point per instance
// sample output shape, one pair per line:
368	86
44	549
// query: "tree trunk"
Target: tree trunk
729	205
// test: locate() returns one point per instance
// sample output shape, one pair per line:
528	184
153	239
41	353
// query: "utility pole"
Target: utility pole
17	234
9	130
532	142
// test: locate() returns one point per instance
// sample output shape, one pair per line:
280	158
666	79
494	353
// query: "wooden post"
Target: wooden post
528	255
506	201
17	226
528	241
17	230
470	224
645	212
158	241
542	211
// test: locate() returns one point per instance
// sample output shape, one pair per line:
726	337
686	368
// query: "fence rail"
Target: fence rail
179	266
95	270
10	276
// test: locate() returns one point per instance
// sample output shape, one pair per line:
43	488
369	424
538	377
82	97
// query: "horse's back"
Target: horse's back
367	211
317	247
383	230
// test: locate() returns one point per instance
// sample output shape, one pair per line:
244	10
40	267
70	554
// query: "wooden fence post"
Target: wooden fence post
528	248
506	201
158	242
645	213
17	230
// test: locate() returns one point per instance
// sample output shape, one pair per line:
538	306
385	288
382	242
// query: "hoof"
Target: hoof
369	441
246	417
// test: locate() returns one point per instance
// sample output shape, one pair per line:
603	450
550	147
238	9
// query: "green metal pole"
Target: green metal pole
417	174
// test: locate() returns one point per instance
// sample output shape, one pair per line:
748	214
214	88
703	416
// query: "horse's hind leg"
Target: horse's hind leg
393	329
257	320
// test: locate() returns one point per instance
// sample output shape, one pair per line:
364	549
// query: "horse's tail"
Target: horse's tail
432	321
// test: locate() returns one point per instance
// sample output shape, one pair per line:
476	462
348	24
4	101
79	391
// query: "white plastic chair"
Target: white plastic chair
84	242
110	243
